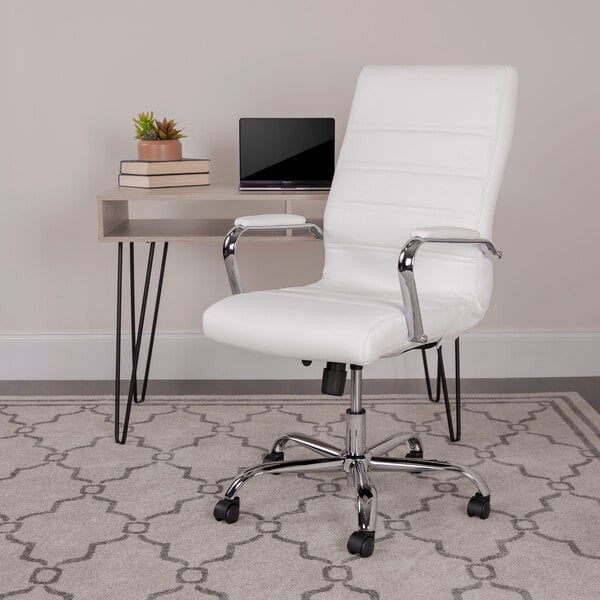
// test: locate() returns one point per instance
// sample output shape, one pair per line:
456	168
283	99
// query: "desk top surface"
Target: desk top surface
205	193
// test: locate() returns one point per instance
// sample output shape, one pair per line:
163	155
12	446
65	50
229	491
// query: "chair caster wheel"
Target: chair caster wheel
273	457
227	510
415	454
479	506
361	542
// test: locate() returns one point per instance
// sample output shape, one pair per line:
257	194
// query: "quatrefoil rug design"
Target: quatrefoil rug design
84	518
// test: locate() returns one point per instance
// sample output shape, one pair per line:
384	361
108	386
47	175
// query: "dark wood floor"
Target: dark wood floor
588	387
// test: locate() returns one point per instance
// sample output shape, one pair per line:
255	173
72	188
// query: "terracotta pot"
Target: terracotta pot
159	150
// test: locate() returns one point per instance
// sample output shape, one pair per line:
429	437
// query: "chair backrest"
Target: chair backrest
424	146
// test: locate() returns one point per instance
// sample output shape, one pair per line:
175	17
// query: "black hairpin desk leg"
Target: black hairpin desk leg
132	311
118	340
136	334
441	383
161	276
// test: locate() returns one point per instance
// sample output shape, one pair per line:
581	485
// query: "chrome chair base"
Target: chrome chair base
357	461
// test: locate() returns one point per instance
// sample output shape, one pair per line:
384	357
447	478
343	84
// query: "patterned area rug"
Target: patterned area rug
83	518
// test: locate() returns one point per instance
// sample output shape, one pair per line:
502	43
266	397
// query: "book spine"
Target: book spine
155	175
144	182
202	166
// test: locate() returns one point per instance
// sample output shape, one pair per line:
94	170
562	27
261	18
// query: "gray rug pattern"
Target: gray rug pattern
84	518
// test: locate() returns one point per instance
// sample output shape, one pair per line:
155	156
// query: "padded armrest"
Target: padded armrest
406	264
259	223
271	220
446	233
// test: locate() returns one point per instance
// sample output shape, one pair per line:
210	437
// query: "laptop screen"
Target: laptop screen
287	151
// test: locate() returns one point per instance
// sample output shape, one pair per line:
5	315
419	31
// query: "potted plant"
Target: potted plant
157	140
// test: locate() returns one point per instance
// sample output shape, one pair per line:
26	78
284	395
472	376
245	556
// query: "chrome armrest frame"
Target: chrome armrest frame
408	286
233	235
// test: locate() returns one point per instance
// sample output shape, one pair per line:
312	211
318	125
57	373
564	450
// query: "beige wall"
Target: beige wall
73	73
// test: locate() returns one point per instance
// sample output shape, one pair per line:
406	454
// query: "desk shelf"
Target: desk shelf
115	224
189	230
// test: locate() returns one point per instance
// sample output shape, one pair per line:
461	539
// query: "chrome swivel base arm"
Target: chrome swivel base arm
358	461
311	443
288	466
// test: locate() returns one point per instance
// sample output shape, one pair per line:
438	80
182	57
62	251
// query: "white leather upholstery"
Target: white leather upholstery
270	220
425	147
327	321
445	233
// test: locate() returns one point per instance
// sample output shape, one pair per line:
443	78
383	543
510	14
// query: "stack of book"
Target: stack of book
163	174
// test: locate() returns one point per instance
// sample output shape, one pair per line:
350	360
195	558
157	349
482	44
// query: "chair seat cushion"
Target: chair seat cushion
329	322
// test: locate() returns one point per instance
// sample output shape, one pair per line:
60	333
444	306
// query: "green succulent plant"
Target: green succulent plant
149	128
145	128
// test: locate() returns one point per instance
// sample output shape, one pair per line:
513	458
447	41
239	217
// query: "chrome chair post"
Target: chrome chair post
356	418
356	389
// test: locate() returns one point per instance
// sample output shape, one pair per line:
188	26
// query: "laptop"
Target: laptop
286	153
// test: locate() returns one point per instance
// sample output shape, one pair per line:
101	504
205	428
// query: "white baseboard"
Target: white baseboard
90	356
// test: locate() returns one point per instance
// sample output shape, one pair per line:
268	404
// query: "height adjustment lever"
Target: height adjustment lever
334	379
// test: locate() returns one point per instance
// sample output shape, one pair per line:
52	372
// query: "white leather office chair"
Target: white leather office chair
407	260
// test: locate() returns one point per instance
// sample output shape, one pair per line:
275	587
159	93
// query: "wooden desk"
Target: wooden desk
118	223
115	224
